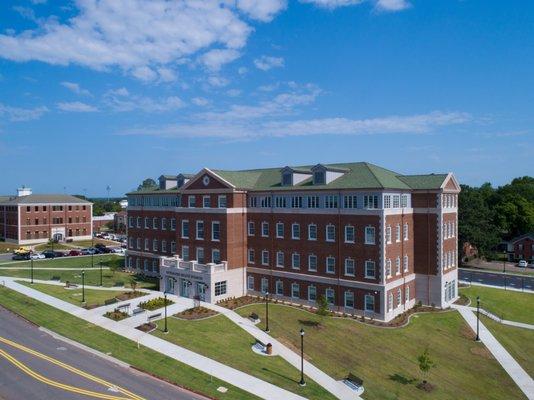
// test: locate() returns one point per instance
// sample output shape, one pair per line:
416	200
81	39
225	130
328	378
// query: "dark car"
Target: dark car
21	256
60	254
75	253
49	254
105	250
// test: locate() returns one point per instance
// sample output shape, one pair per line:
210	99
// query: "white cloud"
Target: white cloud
121	100
16	114
331	4
200	101
25	12
263	10
75	87
413	124
215	59
138	36
265	63
233	92
392	5
242	70
218	81
76	106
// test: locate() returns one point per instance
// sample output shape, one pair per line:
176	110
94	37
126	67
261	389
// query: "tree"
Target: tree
148	184
322	305
425	364
133	283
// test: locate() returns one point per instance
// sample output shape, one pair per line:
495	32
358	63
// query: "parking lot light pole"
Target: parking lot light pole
92	250
267	312
302	382
83	286
165	301
101	274
31	268
478	317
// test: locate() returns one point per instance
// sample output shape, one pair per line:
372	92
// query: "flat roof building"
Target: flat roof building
370	240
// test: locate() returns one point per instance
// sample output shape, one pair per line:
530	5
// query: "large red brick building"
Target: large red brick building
36	218
368	239
523	247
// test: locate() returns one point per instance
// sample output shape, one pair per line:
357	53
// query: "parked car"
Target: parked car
88	251
21	256
37	256
119	250
49	254
22	250
73	253
522	263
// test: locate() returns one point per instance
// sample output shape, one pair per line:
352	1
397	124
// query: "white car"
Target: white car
37	256
119	251
522	263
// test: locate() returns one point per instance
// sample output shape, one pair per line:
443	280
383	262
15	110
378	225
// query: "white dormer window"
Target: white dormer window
319	178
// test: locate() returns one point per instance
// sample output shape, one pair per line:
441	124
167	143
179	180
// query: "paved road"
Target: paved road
26	375
497	279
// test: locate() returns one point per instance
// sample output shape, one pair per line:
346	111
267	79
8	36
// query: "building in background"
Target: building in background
103	222
36	218
120	221
522	248
370	240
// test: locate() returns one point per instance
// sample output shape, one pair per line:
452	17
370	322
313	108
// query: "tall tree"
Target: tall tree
148	184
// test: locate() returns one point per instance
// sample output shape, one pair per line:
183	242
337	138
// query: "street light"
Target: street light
478	311
165	301
302	382
83	286
267	312
93	251
101	274
504	269
31	268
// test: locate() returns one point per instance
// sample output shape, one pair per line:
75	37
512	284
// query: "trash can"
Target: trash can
269	349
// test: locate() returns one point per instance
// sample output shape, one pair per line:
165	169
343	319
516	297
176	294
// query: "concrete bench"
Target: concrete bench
137	310
154	316
127	305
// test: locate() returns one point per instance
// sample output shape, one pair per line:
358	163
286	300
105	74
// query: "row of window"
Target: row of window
330	232
161	223
329	201
311	295
405	266
55	208
398	301
397	233
176	201
449	200
36	221
161	246
312	260
449	229
450	290
449	259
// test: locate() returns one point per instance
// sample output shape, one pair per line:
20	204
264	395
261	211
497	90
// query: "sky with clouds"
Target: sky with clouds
108	92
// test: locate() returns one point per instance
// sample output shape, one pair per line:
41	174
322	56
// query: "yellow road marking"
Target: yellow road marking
131	396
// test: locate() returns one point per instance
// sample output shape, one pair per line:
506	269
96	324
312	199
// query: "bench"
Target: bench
154	316
127	305
354	382
137	310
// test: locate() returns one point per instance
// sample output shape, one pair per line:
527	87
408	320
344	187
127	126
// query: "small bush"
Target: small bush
154	304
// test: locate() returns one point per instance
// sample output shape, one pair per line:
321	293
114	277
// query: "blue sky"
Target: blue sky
108	92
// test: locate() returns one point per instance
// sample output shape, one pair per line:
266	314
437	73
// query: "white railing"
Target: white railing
194	266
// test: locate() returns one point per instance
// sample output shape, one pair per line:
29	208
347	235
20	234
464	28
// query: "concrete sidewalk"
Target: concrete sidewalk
510	365
228	374
503	321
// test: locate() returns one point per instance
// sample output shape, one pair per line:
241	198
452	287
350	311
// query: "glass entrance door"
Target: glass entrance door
169	285
185	288
201	291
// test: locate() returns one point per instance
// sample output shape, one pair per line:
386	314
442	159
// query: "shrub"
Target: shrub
322	305
154	304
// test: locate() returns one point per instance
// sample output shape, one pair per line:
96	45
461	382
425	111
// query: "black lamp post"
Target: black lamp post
267	312
31	269
101	284
478	311
302	382
83	286
165	301
93	251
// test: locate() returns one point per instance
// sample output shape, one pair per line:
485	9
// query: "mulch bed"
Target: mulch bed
116	315
196	313
148	327
426	386
129	295
463	300
234	303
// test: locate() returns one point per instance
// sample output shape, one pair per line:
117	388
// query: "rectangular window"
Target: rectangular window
330	265
200	230
349	299
253	202
139	222
388	234
397	233
206	202
264	285
295	261
173	247
296	202
280	230
295	231
370	269
405	231
163	246
312	263
312	232
330	233
369	303
154	223
251	229
331	201
130	222
369	235
370	201
216	231
388	267
350	201
185	229
200	255
147	245
405	263
220	288
312	293
350	268
250	282
295	290
265	229
279	287
387	201
407	293
329	294
251	256
221	201
349	234
287	179
280	259
191	201
173	224
313	201
164	224
265	257
404	201
280	202
147	222
138	243
396	201
215	256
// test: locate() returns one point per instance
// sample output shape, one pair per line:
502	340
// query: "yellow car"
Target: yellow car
22	250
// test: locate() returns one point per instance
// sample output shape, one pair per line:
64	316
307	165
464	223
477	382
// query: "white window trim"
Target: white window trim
276	233
353	266
309	237
326	233
326	265
365	269
263	223
293	231
353	233
213	223
203	230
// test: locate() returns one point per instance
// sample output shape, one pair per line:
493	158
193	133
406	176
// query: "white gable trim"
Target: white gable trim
450	177
206	171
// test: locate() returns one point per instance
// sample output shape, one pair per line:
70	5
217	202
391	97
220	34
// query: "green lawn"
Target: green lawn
222	340
70	262
92	296
506	304
518	341
8	247
50	246
386	359
117	346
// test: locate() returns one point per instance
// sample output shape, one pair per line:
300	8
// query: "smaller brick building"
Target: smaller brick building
36	218
523	247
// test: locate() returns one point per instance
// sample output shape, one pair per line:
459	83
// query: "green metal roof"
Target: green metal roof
45	198
358	175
